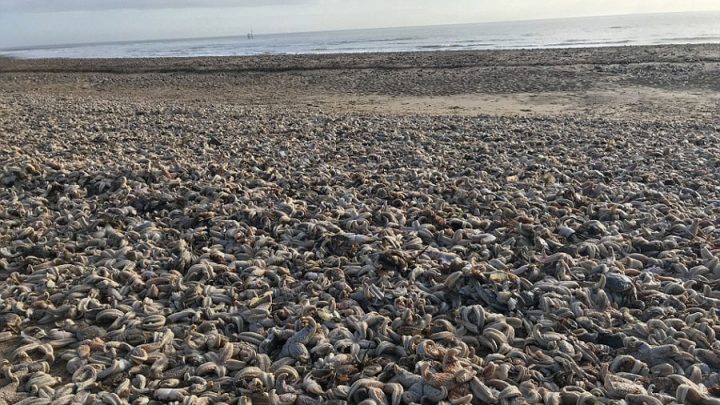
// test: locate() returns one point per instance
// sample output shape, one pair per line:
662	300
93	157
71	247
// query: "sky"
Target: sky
48	22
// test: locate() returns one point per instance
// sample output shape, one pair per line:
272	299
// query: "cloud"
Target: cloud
94	5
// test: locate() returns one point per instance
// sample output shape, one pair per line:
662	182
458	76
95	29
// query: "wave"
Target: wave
456	45
586	42
697	38
360	41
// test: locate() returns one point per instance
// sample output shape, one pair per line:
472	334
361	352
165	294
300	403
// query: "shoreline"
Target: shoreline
684	53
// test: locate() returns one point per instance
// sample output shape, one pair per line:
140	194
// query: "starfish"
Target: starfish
9	395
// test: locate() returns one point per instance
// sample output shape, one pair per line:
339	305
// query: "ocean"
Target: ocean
625	30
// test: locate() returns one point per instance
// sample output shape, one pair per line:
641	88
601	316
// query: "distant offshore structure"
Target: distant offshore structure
250	35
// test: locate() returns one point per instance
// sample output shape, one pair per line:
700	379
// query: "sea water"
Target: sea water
625	30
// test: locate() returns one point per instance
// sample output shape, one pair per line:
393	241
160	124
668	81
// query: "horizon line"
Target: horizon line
178	39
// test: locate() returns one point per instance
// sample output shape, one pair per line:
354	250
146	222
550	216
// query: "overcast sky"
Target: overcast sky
44	22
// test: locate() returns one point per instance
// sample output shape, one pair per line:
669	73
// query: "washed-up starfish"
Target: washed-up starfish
9	395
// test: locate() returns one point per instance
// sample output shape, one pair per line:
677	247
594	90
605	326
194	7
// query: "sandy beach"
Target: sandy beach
648	82
530	226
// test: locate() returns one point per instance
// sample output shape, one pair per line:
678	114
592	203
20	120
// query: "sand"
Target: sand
638	82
